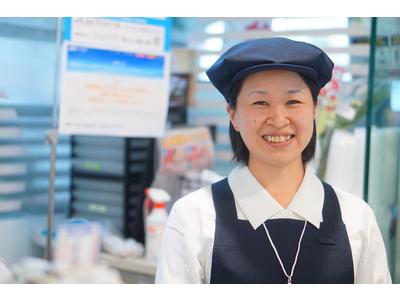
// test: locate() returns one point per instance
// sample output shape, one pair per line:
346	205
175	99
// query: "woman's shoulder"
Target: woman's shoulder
349	198
353	208
195	205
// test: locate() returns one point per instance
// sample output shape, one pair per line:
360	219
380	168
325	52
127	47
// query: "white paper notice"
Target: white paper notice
113	90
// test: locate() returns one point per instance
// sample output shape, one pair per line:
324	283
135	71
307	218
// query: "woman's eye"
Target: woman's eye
291	102
260	102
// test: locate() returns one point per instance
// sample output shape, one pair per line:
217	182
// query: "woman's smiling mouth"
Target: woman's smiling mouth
278	139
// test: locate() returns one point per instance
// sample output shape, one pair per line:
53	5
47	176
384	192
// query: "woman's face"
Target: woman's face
274	114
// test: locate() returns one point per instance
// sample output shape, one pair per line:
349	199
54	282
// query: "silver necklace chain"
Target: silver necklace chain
289	277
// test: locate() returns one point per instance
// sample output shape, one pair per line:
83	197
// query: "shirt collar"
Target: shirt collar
257	204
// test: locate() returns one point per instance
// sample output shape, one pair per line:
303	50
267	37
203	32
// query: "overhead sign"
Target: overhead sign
115	77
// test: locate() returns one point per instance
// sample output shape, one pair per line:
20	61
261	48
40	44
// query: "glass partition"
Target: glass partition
383	163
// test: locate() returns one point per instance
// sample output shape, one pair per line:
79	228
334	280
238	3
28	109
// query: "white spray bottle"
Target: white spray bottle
155	220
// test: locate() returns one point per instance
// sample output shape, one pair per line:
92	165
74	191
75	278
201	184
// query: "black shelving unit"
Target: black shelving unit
108	178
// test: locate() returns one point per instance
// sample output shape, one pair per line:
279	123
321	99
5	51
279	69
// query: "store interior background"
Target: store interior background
362	84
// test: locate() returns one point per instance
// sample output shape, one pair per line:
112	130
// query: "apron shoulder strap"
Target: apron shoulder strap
224	201
331	212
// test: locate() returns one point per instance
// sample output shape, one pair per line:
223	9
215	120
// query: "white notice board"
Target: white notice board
115	77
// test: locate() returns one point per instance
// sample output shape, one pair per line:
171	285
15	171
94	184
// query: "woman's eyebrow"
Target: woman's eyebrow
265	92
294	91
260	92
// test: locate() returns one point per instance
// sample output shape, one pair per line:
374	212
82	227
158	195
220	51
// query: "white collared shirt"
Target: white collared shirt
186	250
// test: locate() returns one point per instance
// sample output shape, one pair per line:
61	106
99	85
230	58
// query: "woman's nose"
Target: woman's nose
278	117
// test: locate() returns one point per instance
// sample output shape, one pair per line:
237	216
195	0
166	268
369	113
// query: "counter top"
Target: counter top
135	265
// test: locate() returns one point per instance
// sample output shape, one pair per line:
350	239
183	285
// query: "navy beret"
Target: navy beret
269	53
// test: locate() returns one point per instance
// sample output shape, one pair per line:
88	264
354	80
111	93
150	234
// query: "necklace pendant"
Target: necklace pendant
277	254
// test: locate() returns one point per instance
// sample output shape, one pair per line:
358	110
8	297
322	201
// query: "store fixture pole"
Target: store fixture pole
52	139
370	99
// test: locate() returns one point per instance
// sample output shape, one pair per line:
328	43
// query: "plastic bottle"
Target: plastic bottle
155	221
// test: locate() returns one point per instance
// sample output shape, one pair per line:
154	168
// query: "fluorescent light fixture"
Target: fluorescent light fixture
285	24
217	27
327	41
395	96
205	61
213	44
347	77
340	59
203	77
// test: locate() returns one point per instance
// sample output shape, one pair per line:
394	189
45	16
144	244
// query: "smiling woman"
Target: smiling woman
274	115
272	220
278	108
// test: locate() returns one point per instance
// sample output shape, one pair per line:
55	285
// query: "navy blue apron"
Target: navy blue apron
244	255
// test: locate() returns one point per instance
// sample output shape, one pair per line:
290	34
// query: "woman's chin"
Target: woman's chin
277	160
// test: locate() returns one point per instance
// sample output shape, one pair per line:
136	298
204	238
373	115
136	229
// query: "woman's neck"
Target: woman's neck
282	182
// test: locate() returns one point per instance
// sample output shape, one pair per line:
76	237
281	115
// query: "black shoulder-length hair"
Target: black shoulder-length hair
240	151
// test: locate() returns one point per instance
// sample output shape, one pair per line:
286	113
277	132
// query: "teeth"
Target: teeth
277	139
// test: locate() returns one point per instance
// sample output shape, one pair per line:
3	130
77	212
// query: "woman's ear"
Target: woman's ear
232	113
